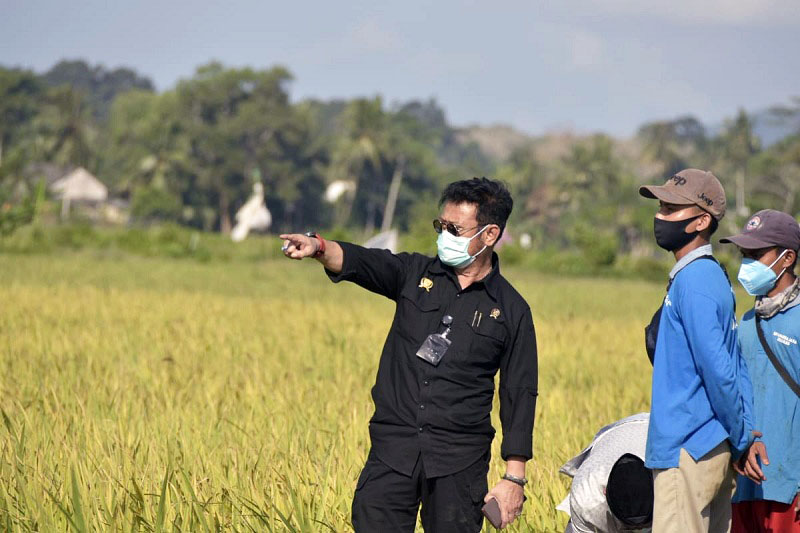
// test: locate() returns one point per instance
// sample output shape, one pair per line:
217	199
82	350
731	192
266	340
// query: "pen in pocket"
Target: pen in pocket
476	319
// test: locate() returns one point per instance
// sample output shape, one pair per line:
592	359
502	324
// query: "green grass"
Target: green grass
153	394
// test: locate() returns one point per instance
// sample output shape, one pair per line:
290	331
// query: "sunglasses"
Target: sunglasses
451	228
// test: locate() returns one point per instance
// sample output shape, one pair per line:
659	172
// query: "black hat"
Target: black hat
629	491
766	229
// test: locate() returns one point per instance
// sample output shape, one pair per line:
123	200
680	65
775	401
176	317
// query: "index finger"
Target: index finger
762	452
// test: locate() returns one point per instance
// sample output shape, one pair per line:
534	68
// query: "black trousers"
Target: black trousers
387	501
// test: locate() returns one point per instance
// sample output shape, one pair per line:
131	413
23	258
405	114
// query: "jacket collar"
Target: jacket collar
688	258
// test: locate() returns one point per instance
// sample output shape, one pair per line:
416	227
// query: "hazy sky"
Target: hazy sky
581	64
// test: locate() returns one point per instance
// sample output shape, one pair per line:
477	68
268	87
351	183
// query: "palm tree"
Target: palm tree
739	145
366	156
64	127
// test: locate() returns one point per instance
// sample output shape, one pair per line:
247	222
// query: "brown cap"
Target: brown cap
766	229
690	186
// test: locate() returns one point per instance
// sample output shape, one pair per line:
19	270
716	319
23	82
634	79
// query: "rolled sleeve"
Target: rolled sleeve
379	271
518	391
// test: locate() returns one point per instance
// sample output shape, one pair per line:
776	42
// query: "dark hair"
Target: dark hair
629	491
712	228
714	225
491	197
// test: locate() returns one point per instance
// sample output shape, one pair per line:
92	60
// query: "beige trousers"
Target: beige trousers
696	496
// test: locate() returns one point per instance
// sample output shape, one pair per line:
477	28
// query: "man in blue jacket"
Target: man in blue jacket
767	499
700	417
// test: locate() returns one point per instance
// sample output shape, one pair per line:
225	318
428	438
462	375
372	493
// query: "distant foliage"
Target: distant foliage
191	154
151	203
100	85
14	216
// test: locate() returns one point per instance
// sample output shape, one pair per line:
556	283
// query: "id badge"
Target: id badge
436	345
434	348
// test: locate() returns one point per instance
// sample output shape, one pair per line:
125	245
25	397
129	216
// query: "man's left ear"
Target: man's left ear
491	235
705	220
789	258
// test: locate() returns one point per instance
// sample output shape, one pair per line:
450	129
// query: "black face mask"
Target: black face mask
672	236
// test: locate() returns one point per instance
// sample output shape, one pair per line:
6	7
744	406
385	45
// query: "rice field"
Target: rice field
146	394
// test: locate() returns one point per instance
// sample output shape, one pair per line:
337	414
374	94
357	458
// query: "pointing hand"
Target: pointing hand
297	246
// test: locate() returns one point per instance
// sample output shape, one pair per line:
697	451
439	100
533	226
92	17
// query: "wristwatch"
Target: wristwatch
321	250
521	481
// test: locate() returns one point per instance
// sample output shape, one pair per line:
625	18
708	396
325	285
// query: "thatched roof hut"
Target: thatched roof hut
80	185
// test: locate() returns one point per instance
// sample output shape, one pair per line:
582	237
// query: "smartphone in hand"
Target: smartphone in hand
491	510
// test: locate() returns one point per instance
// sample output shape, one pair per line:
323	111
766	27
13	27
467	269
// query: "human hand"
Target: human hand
297	246
509	498
748	464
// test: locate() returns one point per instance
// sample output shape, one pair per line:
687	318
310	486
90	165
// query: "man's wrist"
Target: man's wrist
515	465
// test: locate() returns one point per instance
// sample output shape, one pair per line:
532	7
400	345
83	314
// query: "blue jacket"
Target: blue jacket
701	391
776	409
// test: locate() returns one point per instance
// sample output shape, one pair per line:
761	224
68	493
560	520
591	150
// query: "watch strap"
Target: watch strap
321	250
521	481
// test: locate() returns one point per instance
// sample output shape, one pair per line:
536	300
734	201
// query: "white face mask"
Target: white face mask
453	251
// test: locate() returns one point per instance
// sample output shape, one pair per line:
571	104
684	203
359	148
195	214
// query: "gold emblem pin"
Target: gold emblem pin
495	313
426	283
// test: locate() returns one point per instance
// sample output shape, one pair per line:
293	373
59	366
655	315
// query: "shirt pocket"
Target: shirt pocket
488	339
418	315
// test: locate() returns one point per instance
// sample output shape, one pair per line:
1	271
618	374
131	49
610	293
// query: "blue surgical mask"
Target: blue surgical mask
453	251
758	278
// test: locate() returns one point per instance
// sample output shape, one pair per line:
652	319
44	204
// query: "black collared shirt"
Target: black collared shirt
443	412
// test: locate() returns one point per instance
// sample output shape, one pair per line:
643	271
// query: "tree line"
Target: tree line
190	155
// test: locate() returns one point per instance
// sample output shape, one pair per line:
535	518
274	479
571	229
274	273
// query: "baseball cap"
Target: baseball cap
690	186
629	491
766	229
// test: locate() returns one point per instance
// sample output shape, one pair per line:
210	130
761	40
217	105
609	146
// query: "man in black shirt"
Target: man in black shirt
431	431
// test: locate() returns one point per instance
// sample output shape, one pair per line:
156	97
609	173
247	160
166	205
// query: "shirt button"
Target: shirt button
426	382
422	406
420	430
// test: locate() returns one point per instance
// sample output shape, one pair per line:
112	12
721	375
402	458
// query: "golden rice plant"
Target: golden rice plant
167	395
